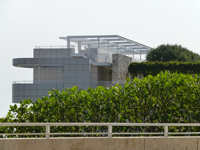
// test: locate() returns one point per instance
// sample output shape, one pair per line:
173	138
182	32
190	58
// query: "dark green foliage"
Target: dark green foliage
153	68
165	98
166	53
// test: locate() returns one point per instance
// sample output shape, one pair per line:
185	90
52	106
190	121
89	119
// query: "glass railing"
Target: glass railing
96	57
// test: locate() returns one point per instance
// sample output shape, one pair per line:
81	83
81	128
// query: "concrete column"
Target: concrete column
68	42
108	53
79	46
38	74
117	48
98	42
140	56
98	49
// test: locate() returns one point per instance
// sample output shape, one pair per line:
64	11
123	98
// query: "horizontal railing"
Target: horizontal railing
54	46
38	82
107	83
102	83
137	60
23	82
109	125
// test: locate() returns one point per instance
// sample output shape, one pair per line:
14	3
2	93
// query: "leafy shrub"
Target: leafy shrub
154	68
165	98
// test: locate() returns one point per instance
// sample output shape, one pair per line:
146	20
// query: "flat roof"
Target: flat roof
114	43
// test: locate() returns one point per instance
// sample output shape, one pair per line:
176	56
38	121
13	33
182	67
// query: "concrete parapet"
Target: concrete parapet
101	144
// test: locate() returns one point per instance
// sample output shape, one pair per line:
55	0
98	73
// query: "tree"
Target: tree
168	53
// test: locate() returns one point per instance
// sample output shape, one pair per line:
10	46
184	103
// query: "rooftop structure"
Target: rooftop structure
98	60
108	44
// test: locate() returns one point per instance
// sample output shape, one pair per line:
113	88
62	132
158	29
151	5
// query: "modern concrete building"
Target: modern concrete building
96	60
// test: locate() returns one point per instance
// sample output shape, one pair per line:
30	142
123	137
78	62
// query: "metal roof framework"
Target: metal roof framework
113	43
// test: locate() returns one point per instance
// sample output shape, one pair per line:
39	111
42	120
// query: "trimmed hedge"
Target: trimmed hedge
165	98
153	68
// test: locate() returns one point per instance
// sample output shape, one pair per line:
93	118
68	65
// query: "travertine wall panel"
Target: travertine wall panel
120	65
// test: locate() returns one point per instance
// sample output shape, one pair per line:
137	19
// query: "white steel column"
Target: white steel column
140	56
110	131
166	131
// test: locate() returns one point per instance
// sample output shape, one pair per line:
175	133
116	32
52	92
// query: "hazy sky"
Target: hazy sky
28	23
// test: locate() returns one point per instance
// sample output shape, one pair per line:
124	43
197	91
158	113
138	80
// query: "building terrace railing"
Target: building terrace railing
38	82
101	83
107	83
110	133
52	46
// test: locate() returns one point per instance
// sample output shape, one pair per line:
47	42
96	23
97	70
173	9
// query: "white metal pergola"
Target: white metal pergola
111	43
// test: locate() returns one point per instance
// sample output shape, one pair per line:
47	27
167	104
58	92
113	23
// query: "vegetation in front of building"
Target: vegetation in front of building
153	68
164	98
166	53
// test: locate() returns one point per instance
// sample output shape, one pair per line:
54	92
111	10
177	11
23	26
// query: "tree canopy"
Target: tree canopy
166	53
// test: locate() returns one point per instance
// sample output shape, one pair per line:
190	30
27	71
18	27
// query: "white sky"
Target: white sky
28	23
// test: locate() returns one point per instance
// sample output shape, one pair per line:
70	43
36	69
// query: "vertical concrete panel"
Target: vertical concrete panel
129	144
171	143
9	145
70	144
100	144
35	144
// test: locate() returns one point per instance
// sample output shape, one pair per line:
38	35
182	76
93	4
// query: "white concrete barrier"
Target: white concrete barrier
101	144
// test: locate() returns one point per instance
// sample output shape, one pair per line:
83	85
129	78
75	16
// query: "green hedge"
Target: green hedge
153	68
165	98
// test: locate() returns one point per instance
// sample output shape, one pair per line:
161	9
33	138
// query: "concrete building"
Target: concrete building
95	60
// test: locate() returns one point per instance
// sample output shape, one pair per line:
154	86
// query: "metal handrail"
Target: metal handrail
54	46
36	82
108	83
43	81
109	125
23	82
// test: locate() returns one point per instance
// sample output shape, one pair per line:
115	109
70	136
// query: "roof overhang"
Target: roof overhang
109	42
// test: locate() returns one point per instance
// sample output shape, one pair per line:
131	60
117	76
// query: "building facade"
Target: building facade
97	60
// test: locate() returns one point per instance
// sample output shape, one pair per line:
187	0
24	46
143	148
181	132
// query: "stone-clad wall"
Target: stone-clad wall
101	144
120	65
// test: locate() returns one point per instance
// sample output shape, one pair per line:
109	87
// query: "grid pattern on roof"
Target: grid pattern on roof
113	43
